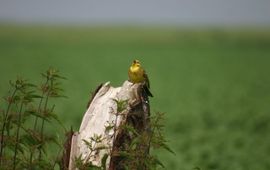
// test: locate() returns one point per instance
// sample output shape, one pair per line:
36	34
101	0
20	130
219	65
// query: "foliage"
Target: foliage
135	151
23	145
94	144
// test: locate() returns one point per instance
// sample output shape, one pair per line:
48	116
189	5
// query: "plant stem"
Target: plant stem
36	119
58	154
43	120
31	158
17	136
39	105
4	125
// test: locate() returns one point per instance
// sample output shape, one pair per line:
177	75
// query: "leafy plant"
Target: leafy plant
23	146
135	151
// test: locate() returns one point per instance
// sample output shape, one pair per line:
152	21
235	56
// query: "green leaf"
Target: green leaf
121	105
130	129
103	161
56	118
124	154
30	85
135	141
36	114
32	138
88	144
156	161
109	127
36	96
61	77
166	147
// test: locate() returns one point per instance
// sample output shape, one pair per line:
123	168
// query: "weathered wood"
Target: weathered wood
67	150
101	113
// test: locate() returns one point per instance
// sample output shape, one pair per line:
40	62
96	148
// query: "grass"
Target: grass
213	84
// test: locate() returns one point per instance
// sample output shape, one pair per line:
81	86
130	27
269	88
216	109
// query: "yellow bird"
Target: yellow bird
137	74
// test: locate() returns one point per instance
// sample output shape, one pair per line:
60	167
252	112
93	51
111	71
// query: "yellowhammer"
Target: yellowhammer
137	74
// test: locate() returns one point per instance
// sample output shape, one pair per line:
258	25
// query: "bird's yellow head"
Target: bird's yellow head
136	63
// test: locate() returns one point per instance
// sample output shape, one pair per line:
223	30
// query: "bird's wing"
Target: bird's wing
147	84
146	79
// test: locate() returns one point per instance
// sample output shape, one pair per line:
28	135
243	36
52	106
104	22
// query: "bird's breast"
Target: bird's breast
136	74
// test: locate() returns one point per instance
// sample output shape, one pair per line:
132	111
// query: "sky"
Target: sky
179	12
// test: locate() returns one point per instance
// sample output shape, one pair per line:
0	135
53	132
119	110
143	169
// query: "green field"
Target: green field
213	84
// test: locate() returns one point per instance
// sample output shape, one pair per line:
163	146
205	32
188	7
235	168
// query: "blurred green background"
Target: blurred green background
213	84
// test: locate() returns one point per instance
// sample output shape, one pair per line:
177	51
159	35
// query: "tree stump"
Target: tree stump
104	133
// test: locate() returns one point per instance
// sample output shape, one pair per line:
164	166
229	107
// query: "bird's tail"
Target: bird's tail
147	91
